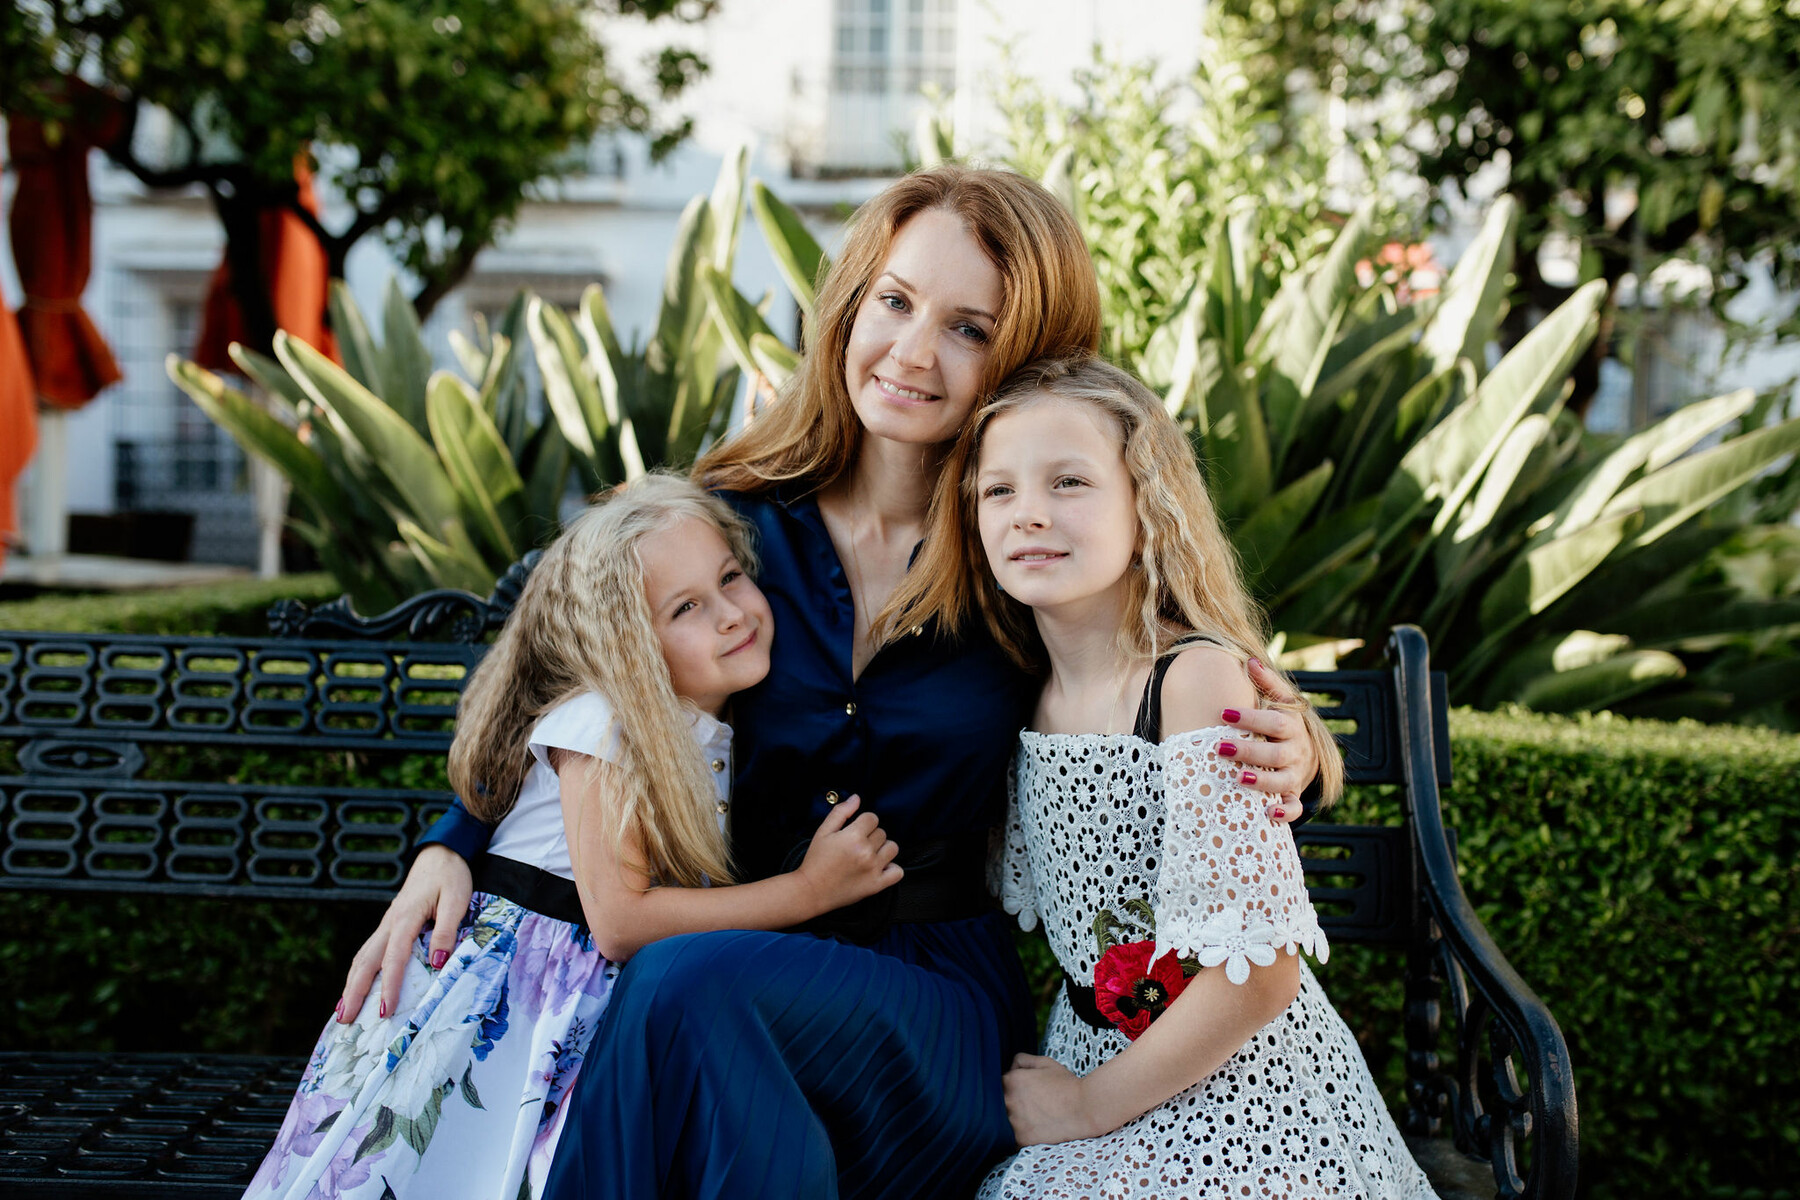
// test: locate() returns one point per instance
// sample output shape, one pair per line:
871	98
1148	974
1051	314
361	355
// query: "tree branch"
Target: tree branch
442	283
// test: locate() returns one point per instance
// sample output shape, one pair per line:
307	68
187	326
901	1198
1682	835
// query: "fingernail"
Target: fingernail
337	1013
1281	814
1228	748
439	958
1232	716
1256	662
384	1010
1248	777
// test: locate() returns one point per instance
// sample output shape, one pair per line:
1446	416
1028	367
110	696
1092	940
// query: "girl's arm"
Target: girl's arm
1209	1022
850	858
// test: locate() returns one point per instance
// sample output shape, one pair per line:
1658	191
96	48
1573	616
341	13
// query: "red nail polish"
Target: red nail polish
1281	814
384	1010
1256	662
1249	777
337	1013
439	958
1232	716
1228	749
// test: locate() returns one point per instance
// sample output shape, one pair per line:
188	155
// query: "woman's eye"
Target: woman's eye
974	333
897	303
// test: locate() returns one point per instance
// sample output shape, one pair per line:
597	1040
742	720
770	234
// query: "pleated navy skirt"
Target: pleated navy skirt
748	1064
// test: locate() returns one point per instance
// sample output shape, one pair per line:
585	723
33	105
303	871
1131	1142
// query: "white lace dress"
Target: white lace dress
1111	840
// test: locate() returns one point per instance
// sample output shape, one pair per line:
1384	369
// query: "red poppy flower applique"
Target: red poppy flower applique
1131	991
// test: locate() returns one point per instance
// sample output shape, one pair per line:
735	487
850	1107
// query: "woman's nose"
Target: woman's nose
912	347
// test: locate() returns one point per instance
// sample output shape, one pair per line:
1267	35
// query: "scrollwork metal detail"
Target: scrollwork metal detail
443	614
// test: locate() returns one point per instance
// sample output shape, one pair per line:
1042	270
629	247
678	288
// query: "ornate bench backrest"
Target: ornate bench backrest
156	764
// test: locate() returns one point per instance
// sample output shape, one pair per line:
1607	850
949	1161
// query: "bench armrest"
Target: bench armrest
1525	1130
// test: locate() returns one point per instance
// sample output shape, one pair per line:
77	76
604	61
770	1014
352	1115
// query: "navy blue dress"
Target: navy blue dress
747	1064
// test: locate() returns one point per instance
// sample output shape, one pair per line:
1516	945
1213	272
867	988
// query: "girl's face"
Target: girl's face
713	621
1056	505
919	345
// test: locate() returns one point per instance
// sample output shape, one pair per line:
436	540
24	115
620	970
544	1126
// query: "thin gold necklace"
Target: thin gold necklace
858	584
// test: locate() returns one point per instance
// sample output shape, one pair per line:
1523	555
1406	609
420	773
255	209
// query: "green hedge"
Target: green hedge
1640	876
1636	873
234	607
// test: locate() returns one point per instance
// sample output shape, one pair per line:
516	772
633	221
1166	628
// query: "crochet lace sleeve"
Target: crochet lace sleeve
1009	864
1230	889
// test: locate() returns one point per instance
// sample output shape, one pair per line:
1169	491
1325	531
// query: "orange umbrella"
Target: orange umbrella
18	421
296	273
52	220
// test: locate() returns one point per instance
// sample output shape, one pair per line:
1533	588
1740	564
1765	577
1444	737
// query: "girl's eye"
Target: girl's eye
731	577
996	489
684	606
1068	481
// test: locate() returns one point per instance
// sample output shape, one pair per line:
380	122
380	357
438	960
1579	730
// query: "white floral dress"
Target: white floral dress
460	1093
1133	853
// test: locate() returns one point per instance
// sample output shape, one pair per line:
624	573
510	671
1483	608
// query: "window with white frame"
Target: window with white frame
884	52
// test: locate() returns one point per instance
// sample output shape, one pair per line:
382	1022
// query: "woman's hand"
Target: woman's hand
1044	1102
437	889
1284	762
849	859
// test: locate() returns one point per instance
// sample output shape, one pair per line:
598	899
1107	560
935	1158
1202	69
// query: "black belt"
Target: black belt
1081	1002
529	887
945	880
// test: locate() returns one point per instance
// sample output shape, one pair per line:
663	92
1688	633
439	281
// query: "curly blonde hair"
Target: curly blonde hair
583	624
1189	583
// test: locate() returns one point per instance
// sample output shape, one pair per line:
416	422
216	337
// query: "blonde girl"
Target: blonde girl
591	736
1190	1051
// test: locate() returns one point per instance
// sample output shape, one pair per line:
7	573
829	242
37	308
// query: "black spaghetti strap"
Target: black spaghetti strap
1149	714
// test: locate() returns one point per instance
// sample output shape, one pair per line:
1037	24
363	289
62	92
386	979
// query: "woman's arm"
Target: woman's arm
436	889
850	858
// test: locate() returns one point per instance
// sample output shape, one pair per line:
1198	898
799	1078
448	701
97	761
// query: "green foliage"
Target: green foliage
423	488
1152	168
430	117
410	479
1372	469
1696	106
236	607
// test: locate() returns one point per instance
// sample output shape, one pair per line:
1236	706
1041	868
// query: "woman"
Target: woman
866	1063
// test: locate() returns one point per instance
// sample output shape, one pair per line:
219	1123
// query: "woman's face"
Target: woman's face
919	345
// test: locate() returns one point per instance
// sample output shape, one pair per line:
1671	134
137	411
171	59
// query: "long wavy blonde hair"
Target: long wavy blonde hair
1189	581
581	624
1050	304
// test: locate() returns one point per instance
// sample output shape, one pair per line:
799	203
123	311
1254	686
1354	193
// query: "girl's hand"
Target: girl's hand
1044	1102
849	859
437	889
1284	762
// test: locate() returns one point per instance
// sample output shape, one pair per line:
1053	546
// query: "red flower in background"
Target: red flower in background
1131	991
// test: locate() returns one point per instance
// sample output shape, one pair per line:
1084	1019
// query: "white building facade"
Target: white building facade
827	93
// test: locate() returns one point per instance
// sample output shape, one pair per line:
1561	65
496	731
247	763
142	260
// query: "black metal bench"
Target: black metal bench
90	718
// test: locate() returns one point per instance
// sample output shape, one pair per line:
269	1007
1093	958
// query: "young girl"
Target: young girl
591	733
1190	1053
